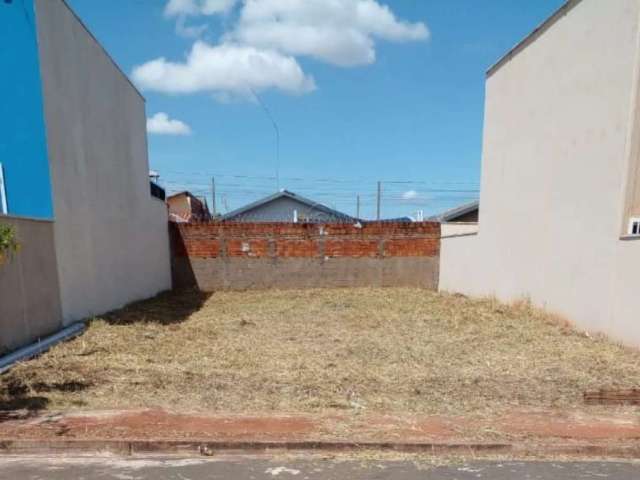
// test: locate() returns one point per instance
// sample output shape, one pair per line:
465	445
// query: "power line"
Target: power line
401	197
322	179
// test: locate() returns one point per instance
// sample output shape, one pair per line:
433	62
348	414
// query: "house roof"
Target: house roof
534	35
184	192
202	201
287	194
448	215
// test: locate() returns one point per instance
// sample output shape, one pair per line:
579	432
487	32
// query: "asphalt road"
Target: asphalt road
37	468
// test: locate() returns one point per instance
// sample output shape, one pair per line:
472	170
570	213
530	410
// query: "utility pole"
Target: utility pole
277	129
213	196
358	207
379	200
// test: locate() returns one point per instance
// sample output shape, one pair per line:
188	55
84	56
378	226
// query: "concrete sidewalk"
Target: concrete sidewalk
158	431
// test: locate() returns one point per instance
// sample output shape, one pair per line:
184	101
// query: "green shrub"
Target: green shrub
8	243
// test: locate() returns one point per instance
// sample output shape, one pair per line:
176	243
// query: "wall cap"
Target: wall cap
104	50
456	235
30	219
533	35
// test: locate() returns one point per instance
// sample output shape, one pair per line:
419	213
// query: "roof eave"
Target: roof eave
534	35
456	212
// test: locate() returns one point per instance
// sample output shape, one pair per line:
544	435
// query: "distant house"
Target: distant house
392	220
184	207
285	206
467	213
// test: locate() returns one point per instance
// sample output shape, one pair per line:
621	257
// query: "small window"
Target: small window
3	194
634	226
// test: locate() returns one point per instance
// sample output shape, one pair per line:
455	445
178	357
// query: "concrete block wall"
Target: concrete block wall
29	290
277	255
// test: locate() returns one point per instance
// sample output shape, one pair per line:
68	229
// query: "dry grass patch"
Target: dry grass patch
391	350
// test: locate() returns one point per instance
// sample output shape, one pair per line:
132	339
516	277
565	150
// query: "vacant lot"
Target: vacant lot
391	350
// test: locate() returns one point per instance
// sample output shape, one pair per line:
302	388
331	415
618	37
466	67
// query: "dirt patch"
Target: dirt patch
342	351
571	426
405	428
161	424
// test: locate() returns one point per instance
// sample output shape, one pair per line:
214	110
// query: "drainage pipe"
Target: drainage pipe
40	346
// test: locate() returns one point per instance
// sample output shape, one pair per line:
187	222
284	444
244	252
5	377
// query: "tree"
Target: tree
8	242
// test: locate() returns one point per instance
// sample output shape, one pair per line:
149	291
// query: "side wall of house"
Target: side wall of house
111	236
557	123
241	256
456	229
29	293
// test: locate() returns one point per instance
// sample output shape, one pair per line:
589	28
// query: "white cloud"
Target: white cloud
259	52
161	124
177	8
227	68
340	32
212	7
183	9
410	195
190	31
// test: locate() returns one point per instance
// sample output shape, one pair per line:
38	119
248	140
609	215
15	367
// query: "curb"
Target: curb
205	447
211	448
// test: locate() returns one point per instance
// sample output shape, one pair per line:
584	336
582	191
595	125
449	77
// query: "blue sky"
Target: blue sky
413	113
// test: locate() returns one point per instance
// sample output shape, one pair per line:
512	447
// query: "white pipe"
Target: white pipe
40	346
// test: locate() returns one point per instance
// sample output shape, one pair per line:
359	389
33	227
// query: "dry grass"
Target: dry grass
390	350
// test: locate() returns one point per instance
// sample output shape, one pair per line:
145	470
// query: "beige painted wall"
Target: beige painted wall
111	236
29	294
458	228
555	161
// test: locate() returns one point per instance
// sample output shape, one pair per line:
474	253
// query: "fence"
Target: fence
238	256
29	289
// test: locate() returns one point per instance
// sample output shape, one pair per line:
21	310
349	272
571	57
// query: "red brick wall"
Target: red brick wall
280	240
214	256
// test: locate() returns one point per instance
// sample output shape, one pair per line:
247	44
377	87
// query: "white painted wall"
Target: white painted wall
111	236
557	119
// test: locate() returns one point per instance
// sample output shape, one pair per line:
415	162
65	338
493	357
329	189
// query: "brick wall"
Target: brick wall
261	255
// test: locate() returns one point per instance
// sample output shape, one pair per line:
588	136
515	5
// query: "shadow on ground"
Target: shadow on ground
165	309
22	396
17	400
